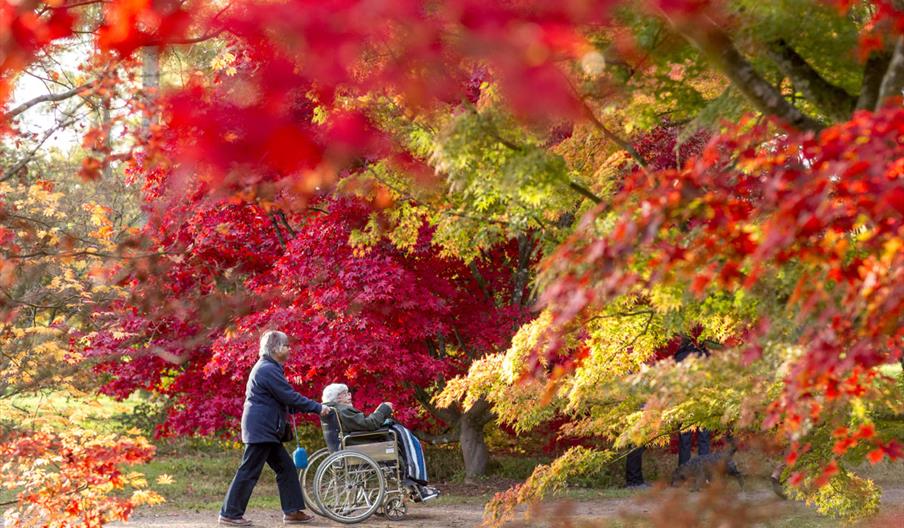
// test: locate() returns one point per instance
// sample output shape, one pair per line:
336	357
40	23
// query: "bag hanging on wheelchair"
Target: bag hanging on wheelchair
300	455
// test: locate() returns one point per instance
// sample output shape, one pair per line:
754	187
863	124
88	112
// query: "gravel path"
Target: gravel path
468	515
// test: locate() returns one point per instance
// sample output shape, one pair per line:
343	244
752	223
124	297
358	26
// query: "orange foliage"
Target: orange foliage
74	478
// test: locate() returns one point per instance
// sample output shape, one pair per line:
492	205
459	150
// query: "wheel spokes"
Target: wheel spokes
347	488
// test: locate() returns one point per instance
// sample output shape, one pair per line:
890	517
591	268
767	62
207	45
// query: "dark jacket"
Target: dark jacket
354	421
688	347
268	400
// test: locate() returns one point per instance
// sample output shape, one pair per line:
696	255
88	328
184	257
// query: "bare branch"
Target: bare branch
49	98
186	41
19	165
832	100
577	187
195	40
873	72
615	138
279	234
79	3
714	42
612	136
480	280
88	253
646	328
621	314
285	222
584	191
448	415
519	280
448	436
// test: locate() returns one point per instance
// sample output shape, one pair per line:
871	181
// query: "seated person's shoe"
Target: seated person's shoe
298	517
427	493
414	493
232	521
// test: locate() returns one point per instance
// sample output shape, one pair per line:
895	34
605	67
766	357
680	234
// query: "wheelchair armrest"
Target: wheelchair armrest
381	433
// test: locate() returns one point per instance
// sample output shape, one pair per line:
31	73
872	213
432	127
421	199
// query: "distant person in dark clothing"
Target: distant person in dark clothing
634	469
268	400
686	438
679	350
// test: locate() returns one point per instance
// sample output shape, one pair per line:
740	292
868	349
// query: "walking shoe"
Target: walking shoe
230	521
427	493
297	517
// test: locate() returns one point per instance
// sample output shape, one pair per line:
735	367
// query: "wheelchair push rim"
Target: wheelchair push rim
349	487
306	479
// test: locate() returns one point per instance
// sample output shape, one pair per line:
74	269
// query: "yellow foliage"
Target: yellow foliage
145	497
165	479
546	480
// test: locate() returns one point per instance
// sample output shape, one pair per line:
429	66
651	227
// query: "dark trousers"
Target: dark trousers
249	471
634	467
685	441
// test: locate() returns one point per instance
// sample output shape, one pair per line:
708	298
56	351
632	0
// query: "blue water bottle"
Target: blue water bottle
300	456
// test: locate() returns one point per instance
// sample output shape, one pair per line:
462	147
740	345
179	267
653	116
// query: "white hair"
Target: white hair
271	341
332	392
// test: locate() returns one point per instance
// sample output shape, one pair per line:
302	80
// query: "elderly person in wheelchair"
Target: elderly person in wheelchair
414	470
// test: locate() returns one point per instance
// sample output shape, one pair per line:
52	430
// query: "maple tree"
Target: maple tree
65	479
386	320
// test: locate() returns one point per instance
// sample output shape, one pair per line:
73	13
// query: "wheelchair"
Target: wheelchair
355	476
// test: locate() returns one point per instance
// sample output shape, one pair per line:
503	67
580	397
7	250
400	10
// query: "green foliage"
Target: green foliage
671	78
822	35
60	410
499	181
145	416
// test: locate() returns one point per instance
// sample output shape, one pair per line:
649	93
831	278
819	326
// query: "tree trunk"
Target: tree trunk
150	83
473	447
467	425
106	126
893	81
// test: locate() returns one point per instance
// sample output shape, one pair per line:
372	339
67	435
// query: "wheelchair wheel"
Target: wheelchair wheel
395	509
306	479
349	487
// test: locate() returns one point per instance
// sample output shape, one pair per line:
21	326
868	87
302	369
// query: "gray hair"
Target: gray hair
332	392
271	341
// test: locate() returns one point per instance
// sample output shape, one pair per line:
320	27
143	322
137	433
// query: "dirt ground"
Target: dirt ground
470	514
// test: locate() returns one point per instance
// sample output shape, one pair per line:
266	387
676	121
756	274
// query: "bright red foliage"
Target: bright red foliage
253	132
386	321
131	24
22	34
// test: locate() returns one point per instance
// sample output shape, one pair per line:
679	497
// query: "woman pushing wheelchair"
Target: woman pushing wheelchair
268	401
338	397
358	477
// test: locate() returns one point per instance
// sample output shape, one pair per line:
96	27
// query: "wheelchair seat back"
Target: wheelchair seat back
331	431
